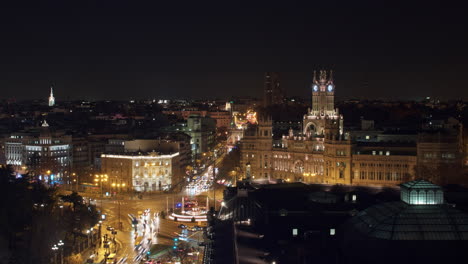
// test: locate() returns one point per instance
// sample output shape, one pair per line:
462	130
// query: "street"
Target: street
134	242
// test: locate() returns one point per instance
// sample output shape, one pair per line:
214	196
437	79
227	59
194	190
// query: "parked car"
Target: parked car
182	226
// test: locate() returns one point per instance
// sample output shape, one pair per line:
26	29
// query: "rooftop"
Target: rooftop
401	221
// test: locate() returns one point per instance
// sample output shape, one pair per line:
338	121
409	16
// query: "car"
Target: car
198	228
109	228
182	226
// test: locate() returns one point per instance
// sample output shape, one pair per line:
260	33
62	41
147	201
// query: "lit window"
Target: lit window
332	231
294	232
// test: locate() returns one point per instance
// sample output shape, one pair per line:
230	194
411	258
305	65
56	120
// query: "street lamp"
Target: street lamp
87	232
60	244
55	248
100	178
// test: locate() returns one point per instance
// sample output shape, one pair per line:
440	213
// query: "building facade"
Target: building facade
223	118
142	172
202	131
175	144
322	152
42	153
273	92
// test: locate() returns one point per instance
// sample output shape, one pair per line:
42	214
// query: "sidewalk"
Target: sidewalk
97	254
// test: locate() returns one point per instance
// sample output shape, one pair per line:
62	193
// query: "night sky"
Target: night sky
134	49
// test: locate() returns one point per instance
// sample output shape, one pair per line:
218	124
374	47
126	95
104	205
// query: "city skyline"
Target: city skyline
243	132
126	50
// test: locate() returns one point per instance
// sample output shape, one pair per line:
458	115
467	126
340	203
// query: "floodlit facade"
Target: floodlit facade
42	153
322	152
143	172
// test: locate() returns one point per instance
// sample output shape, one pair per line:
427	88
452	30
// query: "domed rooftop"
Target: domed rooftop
402	221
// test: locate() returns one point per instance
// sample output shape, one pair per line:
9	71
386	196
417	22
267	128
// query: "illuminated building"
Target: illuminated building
143	172
202	131
323	106
179	143
321	152
42	151
223	118
51	97
421	192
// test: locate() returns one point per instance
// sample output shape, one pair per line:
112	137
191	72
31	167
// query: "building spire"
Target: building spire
331	76
51	97
315	77
323	76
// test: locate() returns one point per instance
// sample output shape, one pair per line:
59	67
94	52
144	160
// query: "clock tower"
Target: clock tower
323	105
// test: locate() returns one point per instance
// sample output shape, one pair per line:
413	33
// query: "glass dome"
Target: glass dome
421	192
402	221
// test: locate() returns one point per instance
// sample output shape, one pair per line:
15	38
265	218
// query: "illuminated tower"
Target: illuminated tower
323	105
51	97
323	93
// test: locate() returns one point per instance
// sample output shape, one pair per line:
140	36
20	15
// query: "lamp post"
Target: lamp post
120	222
55	248
100	178
87	232
60	244
91	233
75	180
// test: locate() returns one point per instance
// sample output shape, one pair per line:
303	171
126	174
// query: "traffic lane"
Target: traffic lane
168	229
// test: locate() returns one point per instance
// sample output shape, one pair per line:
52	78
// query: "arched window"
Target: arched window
422	197
430	197
413	197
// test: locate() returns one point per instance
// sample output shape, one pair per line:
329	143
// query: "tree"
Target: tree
31	220
75	259
74	198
